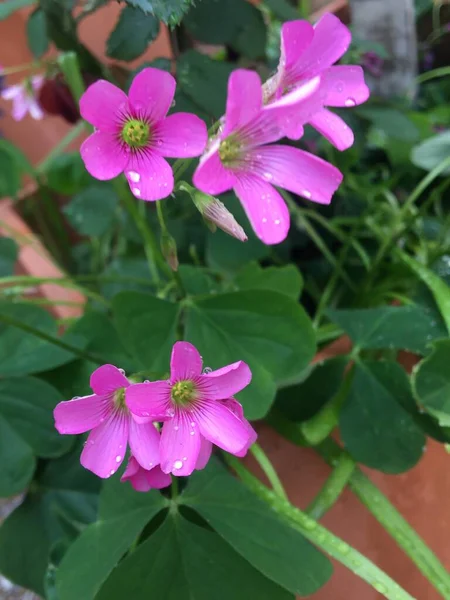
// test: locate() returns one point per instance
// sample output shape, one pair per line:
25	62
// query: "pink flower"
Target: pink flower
112	427
143	480
198	410
133	133
23	96
240	159
308	52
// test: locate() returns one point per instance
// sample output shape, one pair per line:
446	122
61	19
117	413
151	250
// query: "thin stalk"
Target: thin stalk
322	537
434	74
268	469
333	488
25	67
160	211
389	517
174	488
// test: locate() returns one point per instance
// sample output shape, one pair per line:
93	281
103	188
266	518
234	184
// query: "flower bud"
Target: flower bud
169	250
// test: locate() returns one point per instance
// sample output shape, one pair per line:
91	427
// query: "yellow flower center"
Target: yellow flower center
183	393
136	133
230	151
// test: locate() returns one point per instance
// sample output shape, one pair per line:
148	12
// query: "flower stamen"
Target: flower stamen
136	133
183	393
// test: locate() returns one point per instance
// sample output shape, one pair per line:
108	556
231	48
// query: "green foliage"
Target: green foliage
8	256
431	152
91	211
286	280
134	31
431	381
9	6
37	37
67	174
169	12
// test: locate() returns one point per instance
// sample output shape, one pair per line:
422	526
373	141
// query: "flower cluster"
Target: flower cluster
196	409
133	134
23	97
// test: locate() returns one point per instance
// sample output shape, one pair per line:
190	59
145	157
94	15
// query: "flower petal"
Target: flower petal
157	479
150	176
103	105
344	85
144	443
236	408
296	36
106	445
265	208
244	99
103	156
211	176
35	110
333	128
150	399
107	379
181	135
204	454
225	382
180	444
81	414
12	92
222	427
185	362
151	94
19	108
297	171
143	480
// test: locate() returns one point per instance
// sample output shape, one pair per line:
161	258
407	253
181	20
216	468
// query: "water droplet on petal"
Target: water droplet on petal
159	142
118	458
176	428
135	177
76	397
207	370
306	193
193	423
177	464
350	102
122	371
150	464
268	176
264	220
136	191
277	221
192	432
170	412
146	381
184	457
112	472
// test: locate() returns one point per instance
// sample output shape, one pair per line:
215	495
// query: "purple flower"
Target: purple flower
241	159
373	63
143	480
133	133
112	427
308	52
198	410
23	96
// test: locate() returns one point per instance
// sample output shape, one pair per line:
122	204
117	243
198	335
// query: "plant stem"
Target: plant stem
268	469
174	487
333	488
440	72
322	538
60	147
405	536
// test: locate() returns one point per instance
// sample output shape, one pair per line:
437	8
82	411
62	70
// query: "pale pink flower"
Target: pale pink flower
308	52
23	96
111	424
143	480
241	159
134	134
198	410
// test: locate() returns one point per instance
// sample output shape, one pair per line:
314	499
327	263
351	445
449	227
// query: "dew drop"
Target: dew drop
380	587
306	194
350	102
145	414
193	424
277	221
170	412
339	87
192	432
150	464
118	458
122	371
207	370
176	428
76	397
112	472
146	381
136	191
184	457
268	176
159	142
264	220
135	177
177	464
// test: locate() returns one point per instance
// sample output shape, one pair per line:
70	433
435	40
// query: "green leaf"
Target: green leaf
67	174
389	327
22	353
375	428
247	524
302	401
393	122
282	9
123	513
431	152
251	39
285	280
169	12
38	41
185	562
147	328
133	33
9	175
125	270
9	252
197	281
268	330
9	6
431	382
91	212
205	81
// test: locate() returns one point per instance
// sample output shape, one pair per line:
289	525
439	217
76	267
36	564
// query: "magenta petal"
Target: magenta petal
297	171
180	444
333	128
236	408
185	362
204	454
222	427
103	155
107	379
106	445
244	99
157	479
19	108
150	399
81	414
150	176
103	105
181	135
143	480
265	208
151	94
296	36
344	85
144	443
132	468
225	382
211	176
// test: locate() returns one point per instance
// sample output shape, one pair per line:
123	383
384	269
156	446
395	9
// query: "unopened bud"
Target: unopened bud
169	250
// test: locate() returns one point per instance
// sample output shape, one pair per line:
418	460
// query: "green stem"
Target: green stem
268	470
72	135
322	537
405	536
68	63
333	488
435	73
174	487
160	210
